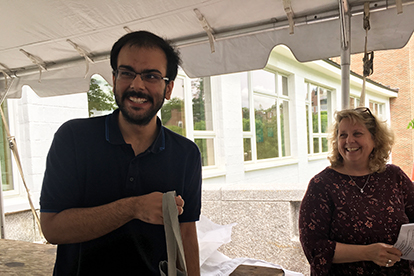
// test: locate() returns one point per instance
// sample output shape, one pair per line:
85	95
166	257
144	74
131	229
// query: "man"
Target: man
101	199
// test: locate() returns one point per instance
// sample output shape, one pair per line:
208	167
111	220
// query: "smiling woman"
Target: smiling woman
364	126
352	211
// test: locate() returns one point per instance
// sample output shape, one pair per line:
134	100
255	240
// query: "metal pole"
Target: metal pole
345	20
1	209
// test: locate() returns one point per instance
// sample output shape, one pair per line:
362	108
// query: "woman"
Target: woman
352	212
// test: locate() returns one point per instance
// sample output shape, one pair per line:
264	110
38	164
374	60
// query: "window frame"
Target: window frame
279	99
15	176
310	133
190	133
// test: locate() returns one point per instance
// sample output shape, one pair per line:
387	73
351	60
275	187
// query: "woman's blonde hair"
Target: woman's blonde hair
380	132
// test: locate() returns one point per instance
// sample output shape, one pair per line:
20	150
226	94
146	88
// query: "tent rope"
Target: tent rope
38	61
5	79
82	52
207	28
368	59
399	5
13	148
289	13
6	75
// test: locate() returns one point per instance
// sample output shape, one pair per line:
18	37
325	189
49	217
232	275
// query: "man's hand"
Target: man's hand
180	204
149	207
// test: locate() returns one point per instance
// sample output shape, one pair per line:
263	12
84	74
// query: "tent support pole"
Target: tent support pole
2	226
345	19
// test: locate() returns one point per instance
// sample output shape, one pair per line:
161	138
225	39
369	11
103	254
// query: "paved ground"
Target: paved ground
26	258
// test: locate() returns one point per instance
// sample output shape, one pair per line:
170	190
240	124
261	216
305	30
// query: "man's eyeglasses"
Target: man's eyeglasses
127	76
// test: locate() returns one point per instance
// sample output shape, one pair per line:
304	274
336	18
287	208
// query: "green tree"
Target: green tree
199	114
99	99
174	103
266	133
246	119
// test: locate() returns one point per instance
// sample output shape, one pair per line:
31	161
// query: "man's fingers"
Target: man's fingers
179	201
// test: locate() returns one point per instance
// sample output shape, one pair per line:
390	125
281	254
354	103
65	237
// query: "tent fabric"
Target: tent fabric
244	33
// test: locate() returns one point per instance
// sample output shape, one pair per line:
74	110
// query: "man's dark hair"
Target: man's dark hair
148	40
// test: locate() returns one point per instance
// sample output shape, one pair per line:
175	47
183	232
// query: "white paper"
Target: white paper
214	263
405	241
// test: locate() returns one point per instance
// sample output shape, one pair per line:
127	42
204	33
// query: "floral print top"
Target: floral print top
334	210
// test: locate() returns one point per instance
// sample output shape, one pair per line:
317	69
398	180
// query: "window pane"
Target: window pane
263	81
315	145
172	112
324	145
381	111
247	143
308	128
315	109
206	147
245	101
266	127
351	102
323	98
101	100
284	128
283	85
5	154
202	105
324	121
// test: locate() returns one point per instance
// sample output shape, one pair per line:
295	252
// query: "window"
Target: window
353	102
173	112
5	154
101	100
378	109
196	122
204	135
318	115
267	136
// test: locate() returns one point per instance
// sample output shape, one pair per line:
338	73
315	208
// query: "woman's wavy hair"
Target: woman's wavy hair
380	132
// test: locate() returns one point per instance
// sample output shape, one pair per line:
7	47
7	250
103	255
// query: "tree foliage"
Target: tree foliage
174	103
199	115
98	99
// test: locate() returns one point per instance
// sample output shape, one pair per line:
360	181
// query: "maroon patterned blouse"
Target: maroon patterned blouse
334	210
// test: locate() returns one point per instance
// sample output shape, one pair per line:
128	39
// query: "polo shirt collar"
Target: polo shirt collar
114	136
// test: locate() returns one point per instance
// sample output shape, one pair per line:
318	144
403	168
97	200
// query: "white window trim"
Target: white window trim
255	163
312	155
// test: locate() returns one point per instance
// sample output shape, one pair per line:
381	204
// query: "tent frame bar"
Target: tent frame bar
345	20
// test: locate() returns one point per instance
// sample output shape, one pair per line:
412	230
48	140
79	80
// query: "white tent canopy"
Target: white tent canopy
67	40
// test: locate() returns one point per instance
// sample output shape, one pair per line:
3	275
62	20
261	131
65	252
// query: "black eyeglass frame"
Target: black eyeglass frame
141	75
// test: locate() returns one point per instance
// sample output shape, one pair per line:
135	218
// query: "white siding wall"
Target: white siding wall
33	122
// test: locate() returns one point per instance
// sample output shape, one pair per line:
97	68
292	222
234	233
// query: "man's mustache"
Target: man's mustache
128	94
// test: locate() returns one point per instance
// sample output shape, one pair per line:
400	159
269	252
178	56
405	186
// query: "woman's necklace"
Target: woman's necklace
361	189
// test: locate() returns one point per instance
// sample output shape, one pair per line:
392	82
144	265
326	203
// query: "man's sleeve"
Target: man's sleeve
192	189
60	189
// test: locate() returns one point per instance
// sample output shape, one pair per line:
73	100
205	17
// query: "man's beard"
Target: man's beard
143	119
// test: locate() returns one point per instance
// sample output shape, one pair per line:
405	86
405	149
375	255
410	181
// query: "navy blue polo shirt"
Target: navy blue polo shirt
89	164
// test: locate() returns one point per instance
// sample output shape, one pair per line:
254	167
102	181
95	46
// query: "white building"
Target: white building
255	171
